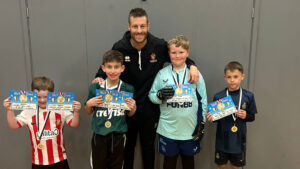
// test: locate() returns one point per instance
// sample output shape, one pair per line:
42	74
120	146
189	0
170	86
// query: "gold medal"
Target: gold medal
108	124
178	91
108	97
23	98
40	146
221	106
234	129
60	99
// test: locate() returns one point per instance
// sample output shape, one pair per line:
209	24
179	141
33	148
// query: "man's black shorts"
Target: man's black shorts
238	160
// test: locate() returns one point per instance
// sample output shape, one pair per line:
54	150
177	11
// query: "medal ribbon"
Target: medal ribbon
183	77
23	92
38	124
240	101
118	87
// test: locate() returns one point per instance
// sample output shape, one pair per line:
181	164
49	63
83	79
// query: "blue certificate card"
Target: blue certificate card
221	108
23	100
124	96
113	99
60	101
181	94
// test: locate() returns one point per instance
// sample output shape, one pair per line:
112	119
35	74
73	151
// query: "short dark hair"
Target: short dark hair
234	65
137	12
42	83
113	55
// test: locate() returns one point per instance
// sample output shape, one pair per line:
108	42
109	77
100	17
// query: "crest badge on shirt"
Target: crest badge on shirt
127	59
153	58
217	155
57	122
244	106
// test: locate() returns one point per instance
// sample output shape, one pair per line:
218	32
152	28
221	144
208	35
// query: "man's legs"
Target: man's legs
147	138
131	136
147	130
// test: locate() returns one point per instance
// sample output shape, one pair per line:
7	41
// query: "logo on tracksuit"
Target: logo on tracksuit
153	58
127	59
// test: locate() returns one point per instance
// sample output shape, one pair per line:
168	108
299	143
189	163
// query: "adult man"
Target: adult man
144	55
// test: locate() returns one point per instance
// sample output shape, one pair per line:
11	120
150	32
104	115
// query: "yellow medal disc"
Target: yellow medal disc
234	129
221	106
108	124
60	99
178	91
23	98
40	146
108	97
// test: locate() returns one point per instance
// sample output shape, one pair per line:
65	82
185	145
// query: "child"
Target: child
181	125
48	151
231	130
109	125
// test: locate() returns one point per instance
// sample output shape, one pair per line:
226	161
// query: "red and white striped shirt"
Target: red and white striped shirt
51	148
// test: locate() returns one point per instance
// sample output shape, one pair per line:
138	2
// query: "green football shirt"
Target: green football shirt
101	115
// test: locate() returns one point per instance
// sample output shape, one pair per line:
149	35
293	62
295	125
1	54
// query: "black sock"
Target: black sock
187	162
170	162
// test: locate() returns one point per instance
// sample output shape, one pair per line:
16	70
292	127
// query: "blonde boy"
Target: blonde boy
181	125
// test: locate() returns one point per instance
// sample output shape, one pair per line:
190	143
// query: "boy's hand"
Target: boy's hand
7	103
199	131
131	104
208	117
98	80
193	74
95	101
165	93
76	106
241	114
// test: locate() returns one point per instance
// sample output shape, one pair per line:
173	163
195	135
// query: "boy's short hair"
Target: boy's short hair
137	12
179	41
113	56
234	65
42	83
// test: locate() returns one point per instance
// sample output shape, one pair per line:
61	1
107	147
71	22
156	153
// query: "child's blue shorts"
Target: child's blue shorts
170	147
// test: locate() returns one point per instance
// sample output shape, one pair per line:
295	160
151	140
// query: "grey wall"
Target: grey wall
273	139
15	74
68	37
